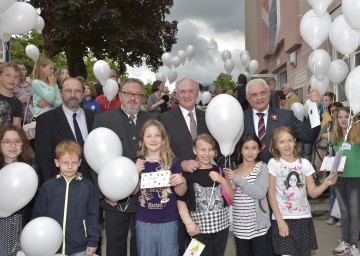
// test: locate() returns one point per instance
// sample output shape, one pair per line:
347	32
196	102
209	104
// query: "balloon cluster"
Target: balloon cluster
173	62
20	18
344	35
101	71
118	176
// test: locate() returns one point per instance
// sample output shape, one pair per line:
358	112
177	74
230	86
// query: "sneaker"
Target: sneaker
339	224
354	251
331	221
342	249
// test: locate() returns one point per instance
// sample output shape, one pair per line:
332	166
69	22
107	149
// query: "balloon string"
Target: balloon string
342	41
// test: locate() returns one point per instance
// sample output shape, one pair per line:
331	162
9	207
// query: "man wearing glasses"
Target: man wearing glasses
127	122
66	122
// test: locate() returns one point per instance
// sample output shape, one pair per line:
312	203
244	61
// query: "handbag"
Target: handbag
29	128
226	196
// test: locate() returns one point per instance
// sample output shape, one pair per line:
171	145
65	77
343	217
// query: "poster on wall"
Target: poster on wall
2	51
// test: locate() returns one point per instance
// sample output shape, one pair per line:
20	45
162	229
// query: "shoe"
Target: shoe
354	251
342	249
331	221
339	224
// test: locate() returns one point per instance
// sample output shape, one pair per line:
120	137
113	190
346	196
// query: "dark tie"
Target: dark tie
132	118
78	135
193	129
261	130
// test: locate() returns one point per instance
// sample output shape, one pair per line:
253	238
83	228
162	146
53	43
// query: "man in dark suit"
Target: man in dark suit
57	125
177	123
127	122
274	99
258	96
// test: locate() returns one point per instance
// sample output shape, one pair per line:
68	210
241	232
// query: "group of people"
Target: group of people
163	220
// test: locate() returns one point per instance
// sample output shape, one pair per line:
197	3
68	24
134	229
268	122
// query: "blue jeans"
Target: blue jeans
157	238
332	197
348	194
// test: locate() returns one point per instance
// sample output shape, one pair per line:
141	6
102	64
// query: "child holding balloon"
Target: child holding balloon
251	213
45	90
157	215
71	200
203	209
14	148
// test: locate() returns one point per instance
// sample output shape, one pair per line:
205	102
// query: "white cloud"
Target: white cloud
211	26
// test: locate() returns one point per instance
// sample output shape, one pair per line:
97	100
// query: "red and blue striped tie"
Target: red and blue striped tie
261	130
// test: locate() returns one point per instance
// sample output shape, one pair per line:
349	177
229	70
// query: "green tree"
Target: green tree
225	82
126	31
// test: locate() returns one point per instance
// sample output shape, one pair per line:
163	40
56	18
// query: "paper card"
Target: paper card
195	248
314	115
328	162
157	179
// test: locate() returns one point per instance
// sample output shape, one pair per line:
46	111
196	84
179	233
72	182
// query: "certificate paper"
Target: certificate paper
328	162
157	179
314	116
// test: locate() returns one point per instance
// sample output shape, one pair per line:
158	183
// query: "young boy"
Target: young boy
10	107
71	200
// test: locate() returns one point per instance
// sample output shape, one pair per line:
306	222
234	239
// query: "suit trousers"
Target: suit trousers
117	226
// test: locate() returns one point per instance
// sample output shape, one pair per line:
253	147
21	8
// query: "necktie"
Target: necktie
78	135
261	130
193	129
132	118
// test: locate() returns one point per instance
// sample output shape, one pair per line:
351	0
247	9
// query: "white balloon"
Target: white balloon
226	55
41	236
205	97
229	65
18	185
190	52
351	10
321	85
233	147
118	178
111	88
20	18
299	111
176	61
160	76
314	29
338	71
101	145
166	59
198	98
342	37
224	118
245	58
319	62
40	24
182	55
253	66
101	71
172	75
320	6
5	4
352	89
32	52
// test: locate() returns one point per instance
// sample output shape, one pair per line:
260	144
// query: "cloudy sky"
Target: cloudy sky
211	26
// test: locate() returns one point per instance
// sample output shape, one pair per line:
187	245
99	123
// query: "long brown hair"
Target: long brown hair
353	135
166	154
36	72
275	138
27	154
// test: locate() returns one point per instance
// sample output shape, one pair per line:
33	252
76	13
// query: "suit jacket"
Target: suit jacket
117	121
274	100
52	127
302	130
180	138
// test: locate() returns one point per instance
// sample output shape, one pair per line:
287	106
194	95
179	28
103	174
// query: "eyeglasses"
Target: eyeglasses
130	95
8	143
69	91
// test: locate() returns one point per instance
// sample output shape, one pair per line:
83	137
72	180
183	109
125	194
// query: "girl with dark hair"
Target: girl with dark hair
154	101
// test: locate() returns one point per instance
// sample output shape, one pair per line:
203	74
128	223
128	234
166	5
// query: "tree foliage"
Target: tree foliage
126	31
225	82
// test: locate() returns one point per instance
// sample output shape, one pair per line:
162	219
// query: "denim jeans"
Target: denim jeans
348	194
157	238
332	197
